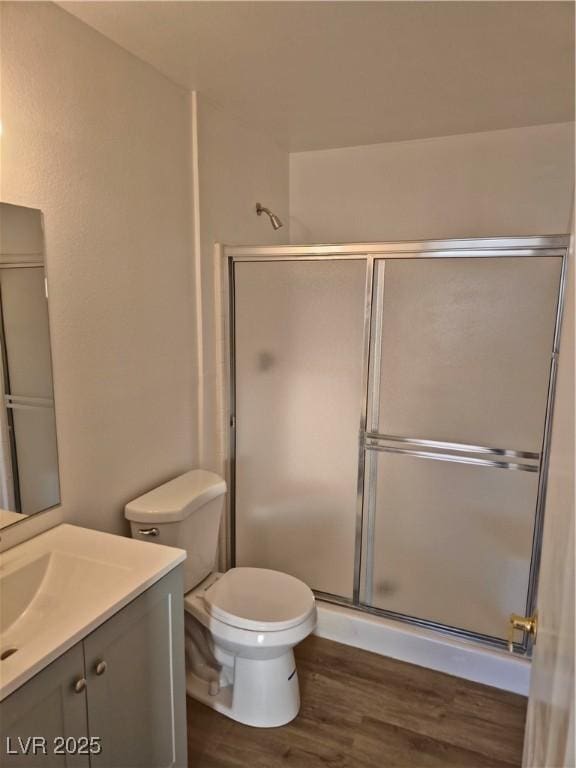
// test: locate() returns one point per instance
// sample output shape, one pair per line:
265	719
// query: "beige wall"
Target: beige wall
509	182
99	141
237	167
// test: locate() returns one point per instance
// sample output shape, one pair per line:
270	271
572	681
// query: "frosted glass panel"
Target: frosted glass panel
465	349
298	336
451	542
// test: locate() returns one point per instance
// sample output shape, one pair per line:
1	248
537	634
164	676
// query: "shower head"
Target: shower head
274	220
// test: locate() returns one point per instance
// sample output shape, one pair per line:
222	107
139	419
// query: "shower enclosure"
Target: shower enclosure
390	411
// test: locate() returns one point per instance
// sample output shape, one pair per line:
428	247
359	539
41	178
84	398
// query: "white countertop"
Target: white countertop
76	579
7	517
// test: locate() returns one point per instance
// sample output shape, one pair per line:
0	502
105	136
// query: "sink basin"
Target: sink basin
59	586
41	591
18	589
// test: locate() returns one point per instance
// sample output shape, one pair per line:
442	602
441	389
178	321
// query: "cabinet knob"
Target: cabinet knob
100	667
79	685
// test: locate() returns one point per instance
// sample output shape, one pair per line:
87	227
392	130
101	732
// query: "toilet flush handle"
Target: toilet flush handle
149	531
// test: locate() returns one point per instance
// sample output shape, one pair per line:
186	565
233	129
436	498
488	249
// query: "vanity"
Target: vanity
92	652
91	624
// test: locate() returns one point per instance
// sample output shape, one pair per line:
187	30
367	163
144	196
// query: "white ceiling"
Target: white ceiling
330	74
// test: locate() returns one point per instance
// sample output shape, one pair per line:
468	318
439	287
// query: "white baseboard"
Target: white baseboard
423	647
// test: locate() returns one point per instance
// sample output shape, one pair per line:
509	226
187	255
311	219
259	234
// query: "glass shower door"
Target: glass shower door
298	337
460	361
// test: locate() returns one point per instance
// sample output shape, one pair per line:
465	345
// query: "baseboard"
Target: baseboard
423	647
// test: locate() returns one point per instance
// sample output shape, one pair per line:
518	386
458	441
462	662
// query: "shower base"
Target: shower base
425	648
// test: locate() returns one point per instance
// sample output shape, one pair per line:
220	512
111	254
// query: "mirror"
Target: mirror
29	481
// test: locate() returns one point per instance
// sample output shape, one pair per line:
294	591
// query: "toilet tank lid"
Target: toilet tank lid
176	499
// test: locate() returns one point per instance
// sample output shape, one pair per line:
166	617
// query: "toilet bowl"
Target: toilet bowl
253	618
241	625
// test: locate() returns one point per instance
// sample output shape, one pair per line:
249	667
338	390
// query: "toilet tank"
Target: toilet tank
186	513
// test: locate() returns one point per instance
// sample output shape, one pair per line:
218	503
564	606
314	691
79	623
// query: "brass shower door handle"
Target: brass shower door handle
528	624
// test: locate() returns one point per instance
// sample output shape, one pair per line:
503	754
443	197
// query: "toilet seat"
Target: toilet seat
259	599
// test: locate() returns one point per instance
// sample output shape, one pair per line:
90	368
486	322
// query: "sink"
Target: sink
41	591
59	586
19	587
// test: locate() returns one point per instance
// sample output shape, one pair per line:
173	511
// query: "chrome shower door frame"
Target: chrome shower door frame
555	246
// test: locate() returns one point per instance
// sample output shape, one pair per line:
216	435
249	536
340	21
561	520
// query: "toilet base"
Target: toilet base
265	692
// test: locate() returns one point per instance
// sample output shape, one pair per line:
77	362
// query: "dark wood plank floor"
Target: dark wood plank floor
361	710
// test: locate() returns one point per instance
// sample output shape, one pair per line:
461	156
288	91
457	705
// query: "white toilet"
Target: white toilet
241	626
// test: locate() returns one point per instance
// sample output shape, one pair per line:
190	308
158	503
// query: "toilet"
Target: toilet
242	625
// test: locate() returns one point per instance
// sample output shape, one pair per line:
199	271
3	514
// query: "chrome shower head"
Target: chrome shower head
274	220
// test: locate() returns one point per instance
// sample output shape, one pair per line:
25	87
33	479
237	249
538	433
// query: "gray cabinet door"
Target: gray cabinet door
137	704
48	708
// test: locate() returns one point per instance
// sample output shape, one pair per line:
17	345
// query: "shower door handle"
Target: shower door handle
528	624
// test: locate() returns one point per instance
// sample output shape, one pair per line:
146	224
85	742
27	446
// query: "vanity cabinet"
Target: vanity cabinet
118	696
36	716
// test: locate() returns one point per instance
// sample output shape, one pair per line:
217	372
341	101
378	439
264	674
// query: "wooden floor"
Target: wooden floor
360	710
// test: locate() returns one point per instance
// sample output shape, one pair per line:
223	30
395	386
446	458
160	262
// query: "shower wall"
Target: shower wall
518	181
391	423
